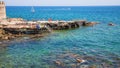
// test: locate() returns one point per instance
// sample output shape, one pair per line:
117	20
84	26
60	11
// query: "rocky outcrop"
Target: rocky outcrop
8	32
91	23
5	35
69	25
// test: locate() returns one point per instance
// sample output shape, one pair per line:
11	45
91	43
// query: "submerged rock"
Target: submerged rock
79	60
93	66
84	66
91	23
57	62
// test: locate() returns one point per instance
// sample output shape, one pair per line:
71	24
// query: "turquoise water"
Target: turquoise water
101	42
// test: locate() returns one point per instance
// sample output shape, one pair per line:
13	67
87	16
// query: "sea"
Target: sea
98	46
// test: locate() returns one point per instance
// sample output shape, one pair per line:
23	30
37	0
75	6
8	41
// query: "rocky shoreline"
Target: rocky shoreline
7	38
36	29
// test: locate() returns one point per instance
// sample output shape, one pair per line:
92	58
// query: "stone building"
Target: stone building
2	10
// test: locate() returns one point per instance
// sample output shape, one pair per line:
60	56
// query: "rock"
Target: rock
12	37
74	55
73	65
57	62
81	23
84	66
9	34
93	66
6	38
90	23
2	31
80	60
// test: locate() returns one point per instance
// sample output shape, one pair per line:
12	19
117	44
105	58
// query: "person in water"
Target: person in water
111	24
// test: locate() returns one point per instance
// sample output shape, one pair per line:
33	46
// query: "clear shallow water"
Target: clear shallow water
100	41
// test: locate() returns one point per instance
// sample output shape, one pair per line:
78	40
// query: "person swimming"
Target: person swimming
111	24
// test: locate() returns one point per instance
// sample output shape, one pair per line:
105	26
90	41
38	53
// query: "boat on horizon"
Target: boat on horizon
32	9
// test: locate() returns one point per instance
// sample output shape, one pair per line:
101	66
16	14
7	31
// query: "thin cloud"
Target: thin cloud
62	2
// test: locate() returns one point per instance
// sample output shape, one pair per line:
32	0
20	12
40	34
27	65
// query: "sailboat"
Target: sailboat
32	9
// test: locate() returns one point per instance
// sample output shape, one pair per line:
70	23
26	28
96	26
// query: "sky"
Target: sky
62	2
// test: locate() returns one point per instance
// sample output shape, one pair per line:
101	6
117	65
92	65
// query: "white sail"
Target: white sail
33	10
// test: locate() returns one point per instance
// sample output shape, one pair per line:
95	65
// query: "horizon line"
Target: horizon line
63	5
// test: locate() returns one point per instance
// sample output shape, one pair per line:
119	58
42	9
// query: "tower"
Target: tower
2	10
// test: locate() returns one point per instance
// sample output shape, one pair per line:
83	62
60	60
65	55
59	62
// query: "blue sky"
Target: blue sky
62	2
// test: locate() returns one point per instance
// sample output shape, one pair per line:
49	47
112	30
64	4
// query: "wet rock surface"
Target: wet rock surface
13	33
71	60
7	38
69	25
